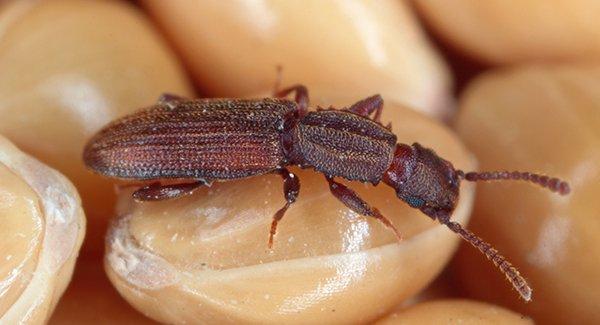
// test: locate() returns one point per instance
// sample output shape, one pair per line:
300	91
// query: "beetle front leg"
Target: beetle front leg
158	192
301	97
358	205
367	106
170	100
291	188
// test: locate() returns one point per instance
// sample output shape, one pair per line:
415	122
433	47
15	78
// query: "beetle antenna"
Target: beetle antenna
552	183
511	272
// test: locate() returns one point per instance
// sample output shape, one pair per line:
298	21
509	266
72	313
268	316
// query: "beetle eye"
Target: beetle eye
415	202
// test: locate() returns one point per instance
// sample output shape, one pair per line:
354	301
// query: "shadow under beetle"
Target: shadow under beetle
223	139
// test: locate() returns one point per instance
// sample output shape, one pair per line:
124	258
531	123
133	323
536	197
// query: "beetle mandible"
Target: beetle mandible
207	140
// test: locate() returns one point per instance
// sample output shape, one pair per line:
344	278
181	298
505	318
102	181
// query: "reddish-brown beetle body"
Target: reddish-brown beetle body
223	139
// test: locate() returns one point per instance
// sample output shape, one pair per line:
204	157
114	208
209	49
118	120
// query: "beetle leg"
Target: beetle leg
158	192
358	205
301	97
291	188
170	100
367	106
278	78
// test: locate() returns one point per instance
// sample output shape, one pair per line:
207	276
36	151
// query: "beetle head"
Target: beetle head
427	182
431	184
424	180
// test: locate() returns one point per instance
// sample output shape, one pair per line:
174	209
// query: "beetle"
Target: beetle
207	140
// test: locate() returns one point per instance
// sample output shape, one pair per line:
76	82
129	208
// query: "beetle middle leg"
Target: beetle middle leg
358	205
367	106
158	192
291	188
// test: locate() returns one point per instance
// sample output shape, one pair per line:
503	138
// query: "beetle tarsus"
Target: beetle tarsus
291	188
278	215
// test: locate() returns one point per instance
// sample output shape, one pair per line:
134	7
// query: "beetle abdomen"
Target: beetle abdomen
340	143
205	138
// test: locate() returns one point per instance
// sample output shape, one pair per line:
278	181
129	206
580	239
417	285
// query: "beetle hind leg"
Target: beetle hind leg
367	106
291	188
301	97
351	200
158	192
301	92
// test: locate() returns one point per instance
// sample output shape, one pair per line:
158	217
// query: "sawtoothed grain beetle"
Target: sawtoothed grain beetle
207	140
